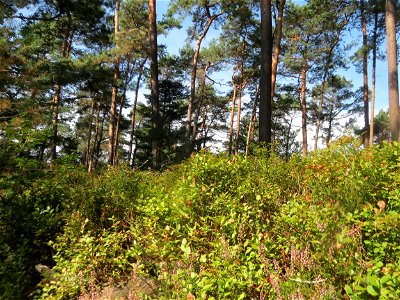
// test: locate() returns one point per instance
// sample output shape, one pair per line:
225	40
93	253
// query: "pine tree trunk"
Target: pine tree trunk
210	19
96	138
287	142
54	121
199	105
365	74
192	89
128	71
65	52
277	46
304	105
321	102
252	121
238	115
98	146
327	67
118	129
133	117
330	120
155	104
265	111
203	128
393	84
373	87
113	117
114	92
89	140
242	85
230	145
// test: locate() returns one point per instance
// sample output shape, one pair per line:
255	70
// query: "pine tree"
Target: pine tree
392	69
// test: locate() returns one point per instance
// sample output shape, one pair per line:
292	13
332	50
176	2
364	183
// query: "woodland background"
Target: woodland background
72	72
105	196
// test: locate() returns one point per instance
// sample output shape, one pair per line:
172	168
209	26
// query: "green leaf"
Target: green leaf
184	247
242	296
348	290
371	290
373	280
385	279
203	258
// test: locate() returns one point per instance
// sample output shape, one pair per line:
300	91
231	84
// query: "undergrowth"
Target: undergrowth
214	227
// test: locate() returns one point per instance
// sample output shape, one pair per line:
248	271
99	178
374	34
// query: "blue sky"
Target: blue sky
176	39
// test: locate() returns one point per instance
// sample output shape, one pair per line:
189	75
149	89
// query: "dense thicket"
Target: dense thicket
320	227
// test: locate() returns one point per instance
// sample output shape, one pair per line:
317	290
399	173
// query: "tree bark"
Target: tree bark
114	93
118	129
128	78
304	104
54	121
393	83
203	127
330	119
327	67
199	105
238	120
321	102
100	139
65	52
277	46
96	137
89	139
232	117
365	73
210	20
373	75
155	103
133	117
265	111
287	142
242	85
252	121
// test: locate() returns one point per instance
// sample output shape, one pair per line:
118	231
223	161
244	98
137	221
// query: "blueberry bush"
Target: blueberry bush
214	227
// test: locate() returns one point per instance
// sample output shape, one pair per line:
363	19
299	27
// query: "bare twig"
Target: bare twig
307	281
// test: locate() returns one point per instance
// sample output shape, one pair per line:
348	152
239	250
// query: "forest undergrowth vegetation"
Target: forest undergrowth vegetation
213	227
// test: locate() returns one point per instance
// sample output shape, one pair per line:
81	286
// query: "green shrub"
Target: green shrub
85	259
30	216
215	227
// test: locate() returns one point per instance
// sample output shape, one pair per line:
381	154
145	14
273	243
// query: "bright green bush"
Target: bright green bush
85	258
215	227
380	224
30	216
